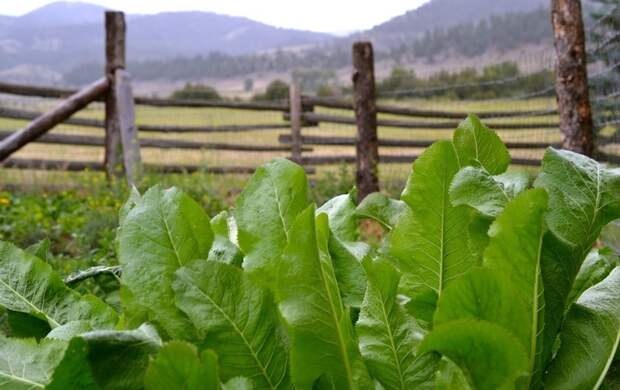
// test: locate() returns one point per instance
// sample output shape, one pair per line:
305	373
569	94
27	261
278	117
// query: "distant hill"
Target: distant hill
66	40
62	13
65	34
439	14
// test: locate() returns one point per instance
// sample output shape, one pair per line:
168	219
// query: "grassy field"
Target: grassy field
217	116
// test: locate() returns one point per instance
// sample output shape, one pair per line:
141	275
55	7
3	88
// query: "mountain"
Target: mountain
63	13
66	40
65	34
440	14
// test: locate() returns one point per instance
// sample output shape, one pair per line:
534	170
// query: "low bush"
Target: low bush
484	279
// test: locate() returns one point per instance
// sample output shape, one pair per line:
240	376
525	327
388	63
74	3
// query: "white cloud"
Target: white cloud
318	15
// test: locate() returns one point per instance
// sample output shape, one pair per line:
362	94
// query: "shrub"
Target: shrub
276	90
484	280
196	91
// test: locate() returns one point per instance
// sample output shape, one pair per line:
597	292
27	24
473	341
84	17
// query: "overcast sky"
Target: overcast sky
336	16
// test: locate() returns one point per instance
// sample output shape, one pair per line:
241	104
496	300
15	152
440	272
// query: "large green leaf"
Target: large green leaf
162	232
431	244
598	264
342	218
388	337
490	356
323	342
119	359
515	250
382	209
179	366
265	211
26	365
483	294
95	360
590	337
476	188
29	285
224	249
237	319
583	197
345	249
479	146
583	194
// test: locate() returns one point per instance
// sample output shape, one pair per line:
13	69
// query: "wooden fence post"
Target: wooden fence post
115	59
127	124
295	113
367	151
572	77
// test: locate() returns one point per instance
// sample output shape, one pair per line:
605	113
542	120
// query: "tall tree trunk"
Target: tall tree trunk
572	77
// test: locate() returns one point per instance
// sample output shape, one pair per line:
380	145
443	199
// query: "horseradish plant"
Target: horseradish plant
483	280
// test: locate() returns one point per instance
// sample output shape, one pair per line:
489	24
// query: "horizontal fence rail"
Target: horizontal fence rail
343	120
411	112
60	93
12	113
87	140
389	159
400	143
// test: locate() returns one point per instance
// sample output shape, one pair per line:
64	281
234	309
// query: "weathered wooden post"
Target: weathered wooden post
122	148
295	108
572	77
367	151
127	125
115	59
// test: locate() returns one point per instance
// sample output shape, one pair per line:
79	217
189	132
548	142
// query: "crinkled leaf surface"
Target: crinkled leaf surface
265	211
476	188
489	355
164	231
178	365
29	285
590	337
237	319
322	339
382	209
388	337
515	250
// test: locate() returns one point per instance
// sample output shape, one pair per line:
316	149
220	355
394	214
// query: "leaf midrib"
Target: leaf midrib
241	335
392	345
334	318
23	380
23	298
610	359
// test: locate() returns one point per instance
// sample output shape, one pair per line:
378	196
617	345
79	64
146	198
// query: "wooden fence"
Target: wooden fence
123	138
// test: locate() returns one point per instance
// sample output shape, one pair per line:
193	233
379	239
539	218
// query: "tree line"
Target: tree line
497	32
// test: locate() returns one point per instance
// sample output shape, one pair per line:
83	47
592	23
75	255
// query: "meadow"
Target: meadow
218	116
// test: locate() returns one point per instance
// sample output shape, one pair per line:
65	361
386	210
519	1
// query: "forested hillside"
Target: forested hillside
499	33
